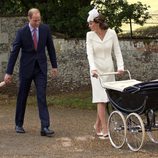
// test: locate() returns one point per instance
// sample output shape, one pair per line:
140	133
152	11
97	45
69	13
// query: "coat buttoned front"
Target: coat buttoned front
99	53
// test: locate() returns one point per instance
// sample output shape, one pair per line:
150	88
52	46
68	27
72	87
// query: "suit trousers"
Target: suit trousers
40	81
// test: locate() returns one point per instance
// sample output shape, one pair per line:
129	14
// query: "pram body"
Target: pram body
134	98
131	99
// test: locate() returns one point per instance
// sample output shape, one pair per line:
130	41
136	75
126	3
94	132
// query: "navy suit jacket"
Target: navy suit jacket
29	55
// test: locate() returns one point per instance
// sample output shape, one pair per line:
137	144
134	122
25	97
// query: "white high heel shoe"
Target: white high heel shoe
104	136
98	133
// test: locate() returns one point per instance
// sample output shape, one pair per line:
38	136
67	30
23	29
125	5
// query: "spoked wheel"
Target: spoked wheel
153	125
135	131
153	134
117	129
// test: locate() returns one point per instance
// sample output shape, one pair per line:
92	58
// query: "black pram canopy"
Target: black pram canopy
136	98
144	86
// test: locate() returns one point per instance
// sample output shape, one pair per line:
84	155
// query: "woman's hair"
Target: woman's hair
101	21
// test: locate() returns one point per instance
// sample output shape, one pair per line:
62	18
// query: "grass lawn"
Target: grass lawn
79	99
74	100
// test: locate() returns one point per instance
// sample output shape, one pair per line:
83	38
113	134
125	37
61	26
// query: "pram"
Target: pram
136	105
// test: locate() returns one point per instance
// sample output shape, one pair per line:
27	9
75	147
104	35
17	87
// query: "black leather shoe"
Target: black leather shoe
19	129
47	132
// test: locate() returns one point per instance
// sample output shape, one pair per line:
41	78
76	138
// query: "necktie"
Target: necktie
35	38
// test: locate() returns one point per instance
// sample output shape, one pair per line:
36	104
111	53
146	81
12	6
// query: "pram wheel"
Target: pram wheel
153	135
152	125
135	131
153	132
117	129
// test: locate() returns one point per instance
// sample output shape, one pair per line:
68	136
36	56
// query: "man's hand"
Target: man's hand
54	72
7	78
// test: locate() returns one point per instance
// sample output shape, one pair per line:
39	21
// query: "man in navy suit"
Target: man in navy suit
32	40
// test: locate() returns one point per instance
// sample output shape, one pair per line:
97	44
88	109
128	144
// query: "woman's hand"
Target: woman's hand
120	72
94	73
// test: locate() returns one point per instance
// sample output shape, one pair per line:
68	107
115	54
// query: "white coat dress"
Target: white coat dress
99	53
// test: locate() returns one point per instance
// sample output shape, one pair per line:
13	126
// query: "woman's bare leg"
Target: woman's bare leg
97	125
102	118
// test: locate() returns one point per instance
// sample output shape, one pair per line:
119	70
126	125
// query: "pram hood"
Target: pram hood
131	86
144	86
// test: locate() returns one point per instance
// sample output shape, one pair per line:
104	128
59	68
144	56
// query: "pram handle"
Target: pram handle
116	73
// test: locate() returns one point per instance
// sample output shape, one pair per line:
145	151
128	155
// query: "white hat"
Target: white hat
92	14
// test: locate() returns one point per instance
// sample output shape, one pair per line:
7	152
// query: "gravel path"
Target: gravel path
74	137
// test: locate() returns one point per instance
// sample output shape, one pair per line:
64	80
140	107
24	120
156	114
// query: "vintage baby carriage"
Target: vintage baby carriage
136	105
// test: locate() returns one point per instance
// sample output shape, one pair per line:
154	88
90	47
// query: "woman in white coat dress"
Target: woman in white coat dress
101	41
